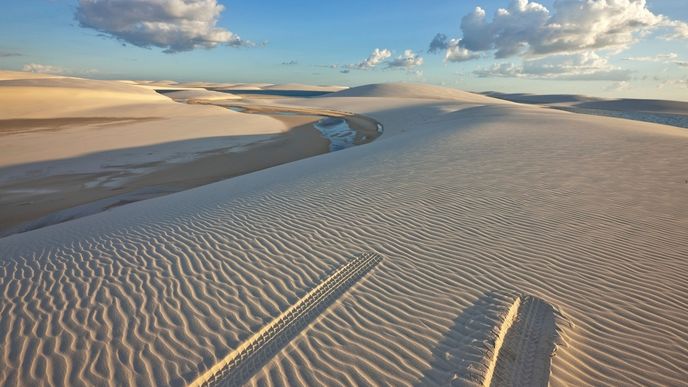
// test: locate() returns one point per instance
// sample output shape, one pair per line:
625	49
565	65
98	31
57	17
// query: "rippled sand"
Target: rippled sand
473	203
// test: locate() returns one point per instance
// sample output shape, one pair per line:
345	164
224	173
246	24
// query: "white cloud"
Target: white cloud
174	25
455	53
618	86
678	29
42	69
375	58
578	67
657	58
531	31
407	60
677	83
528	28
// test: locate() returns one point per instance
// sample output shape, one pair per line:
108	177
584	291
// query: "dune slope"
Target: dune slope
572	210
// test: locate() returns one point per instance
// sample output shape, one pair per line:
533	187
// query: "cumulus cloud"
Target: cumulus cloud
408	60
529	30
582	66
174	25
438	44
42	69
678	29
452	51
375	58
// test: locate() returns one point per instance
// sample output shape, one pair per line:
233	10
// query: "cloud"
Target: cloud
678	29
586	66
452	51
657	58
6	54
528	29
408	60
678	83
618	86
438	44
42	69
455	53
290	63
174	25
681	63
375	58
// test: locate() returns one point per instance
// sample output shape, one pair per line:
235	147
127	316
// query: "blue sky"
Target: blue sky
613	48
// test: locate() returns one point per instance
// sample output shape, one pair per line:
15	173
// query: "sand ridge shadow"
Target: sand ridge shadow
504	338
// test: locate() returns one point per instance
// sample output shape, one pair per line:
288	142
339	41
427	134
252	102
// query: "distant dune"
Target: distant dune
542	99
639	105
199	94
302	87
411	90
579	101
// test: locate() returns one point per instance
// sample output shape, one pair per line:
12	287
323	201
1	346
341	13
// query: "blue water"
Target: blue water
338	132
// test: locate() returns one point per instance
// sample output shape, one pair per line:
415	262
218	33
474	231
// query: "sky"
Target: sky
607	48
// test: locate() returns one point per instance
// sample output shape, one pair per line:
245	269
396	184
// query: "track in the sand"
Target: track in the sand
525	356
242	363
503	339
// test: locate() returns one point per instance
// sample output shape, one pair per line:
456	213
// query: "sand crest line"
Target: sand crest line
273	335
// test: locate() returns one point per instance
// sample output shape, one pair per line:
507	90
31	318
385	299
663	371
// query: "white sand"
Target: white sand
199	94
302	87
134	116
464	197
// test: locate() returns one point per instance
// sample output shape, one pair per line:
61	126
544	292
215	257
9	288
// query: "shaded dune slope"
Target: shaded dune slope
412	90
570	209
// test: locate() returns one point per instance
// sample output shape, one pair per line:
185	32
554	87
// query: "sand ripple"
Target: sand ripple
570	209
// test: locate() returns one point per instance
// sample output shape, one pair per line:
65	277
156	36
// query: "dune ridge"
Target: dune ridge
461	198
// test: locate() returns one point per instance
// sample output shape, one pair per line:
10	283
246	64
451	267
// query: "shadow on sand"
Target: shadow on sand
469	353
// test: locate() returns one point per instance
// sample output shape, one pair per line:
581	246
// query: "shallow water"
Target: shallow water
338	132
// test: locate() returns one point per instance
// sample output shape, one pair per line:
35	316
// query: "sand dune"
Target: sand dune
542	99
622	105
300	86
14	75
474	204
411	90
141	117
199	94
